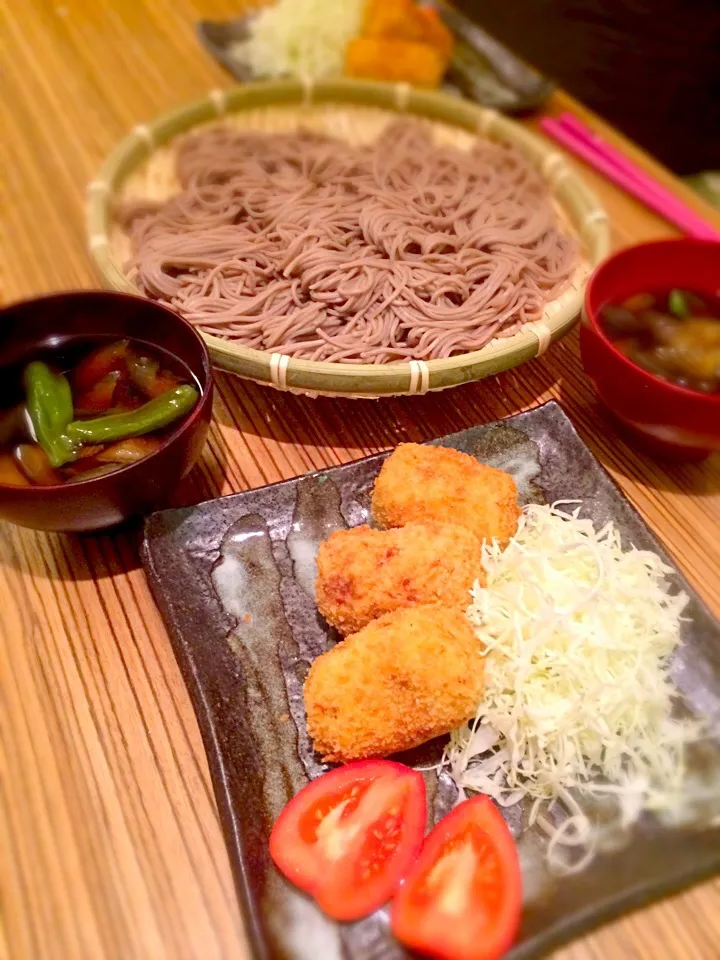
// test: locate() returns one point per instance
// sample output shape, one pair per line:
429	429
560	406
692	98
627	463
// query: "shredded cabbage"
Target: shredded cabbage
300	38
578	699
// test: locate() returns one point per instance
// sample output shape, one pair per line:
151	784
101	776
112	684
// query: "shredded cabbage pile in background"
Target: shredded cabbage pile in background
578	635
305	39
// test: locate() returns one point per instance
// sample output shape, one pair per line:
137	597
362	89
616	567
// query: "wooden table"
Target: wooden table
111	843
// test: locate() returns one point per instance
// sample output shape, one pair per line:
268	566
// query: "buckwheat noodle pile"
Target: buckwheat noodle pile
305	245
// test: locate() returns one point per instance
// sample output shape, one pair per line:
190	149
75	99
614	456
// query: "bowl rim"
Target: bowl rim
591	314
35	490
362	380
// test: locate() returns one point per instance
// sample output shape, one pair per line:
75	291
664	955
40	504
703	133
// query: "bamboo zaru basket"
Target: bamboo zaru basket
142	167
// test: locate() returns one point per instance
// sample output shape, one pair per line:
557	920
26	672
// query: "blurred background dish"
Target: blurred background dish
471	62
130	451
632	378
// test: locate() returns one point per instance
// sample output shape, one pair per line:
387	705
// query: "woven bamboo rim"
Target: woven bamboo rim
141	165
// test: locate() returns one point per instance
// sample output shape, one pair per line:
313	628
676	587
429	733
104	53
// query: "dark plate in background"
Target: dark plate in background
234	580
482	68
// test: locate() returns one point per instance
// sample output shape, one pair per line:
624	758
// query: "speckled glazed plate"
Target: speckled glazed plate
234	580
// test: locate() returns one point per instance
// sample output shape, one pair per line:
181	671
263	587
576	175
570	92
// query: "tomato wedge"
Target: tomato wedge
349	836
461	899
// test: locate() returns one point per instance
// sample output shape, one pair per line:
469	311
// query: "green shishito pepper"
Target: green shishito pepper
153	415
50	405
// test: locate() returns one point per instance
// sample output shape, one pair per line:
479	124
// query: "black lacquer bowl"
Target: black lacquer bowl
234	580
27	330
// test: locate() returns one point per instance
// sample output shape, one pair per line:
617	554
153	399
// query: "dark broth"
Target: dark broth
140	372
674	334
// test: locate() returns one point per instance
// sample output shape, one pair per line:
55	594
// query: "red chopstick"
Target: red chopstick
572	134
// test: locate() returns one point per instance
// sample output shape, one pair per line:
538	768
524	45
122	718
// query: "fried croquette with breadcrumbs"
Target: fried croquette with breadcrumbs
405	678
420	483
364	573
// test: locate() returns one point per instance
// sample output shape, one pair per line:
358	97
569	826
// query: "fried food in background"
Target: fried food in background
364	573
418	484
391	18
400	42
394	61
405	678
405	20
435	32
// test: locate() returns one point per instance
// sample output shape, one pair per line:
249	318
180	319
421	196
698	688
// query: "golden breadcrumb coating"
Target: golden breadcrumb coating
364	573
418	483
405	678
393	60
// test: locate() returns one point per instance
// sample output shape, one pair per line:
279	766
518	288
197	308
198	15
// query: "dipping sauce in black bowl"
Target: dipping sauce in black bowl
105	401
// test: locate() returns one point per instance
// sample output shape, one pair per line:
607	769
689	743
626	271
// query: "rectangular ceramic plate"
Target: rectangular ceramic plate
234	580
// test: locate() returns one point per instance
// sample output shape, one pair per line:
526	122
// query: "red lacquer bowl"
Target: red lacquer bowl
104	501
671	420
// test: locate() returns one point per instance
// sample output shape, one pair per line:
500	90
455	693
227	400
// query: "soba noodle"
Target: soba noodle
308	246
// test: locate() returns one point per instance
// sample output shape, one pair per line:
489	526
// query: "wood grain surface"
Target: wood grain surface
111	848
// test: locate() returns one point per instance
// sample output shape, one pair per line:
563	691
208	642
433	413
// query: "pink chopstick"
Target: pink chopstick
595	141
568	131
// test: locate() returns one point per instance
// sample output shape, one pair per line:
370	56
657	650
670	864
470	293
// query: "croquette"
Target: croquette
392	18
395	61
406	20
364	573
420	483
405	678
